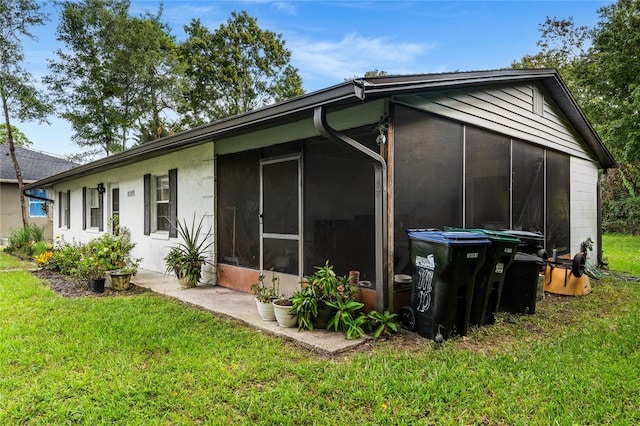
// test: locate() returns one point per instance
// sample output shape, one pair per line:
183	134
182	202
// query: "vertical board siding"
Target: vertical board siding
584	182
505	109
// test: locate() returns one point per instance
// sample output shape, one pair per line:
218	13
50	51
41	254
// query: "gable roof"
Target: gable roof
34	165
348	94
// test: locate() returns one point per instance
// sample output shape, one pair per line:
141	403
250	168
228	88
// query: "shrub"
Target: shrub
22	240
65	256
621	216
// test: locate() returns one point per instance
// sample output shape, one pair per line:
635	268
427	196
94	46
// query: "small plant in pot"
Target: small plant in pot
313	302
265	296
90	271
285	312
187	258
121	277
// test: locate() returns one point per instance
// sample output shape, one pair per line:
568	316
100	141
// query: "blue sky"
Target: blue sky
335	40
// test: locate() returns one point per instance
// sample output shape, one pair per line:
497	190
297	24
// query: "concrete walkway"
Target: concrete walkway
242	306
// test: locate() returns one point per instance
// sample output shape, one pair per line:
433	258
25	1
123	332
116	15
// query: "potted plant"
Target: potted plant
285	312
121	277
114	252
187	258
312	303
265	296
90	269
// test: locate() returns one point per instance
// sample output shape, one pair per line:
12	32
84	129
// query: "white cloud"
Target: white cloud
323	62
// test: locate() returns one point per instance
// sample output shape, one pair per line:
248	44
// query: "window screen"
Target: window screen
487	179
558	220
428	176
238	177
528	187
339	205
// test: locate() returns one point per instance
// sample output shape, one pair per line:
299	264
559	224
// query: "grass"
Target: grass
146	360
622	252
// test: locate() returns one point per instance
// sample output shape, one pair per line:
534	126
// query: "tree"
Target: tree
19	138
18	94
112	76
612	75
237	68
602	68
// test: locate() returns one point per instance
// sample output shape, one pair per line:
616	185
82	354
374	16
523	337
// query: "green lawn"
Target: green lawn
146	360
622	252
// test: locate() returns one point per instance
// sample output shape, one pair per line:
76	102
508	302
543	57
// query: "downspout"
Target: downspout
380	167
599	260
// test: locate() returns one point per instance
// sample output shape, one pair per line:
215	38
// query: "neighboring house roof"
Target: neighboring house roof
34	165
348	94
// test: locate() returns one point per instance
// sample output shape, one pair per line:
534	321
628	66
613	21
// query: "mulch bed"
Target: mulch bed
68	288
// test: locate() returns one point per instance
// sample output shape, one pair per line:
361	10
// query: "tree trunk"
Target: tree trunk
12	152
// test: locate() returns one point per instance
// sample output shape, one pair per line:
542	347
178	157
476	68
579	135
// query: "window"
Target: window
161	203
37	207
92	207
64	202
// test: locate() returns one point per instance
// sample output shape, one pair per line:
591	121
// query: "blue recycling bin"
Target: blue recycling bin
444	267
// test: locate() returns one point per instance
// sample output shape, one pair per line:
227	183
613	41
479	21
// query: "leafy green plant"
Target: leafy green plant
187	257
384	323
266	293
355	326
305	306
65	256
346	312
323	288
21	240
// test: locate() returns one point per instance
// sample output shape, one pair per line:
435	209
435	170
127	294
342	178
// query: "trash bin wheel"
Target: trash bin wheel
577	267
407	318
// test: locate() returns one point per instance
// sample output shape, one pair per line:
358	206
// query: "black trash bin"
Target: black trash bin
444	267
521	284
530	242
490	278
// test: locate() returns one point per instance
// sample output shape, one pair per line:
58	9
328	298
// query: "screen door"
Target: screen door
281	215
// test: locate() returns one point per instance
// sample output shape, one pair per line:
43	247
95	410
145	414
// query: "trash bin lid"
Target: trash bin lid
495	236
448	237
528	258
525	235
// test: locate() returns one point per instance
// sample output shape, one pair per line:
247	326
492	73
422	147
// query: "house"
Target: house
34	165
340	173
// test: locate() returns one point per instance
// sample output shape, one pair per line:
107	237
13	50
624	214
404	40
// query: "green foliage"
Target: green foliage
22	241
621	216
115	72
188	256
19	138
384	323
237	68
93	260
305	306
65	256
346	310
321	288
266	293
